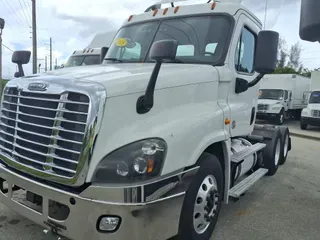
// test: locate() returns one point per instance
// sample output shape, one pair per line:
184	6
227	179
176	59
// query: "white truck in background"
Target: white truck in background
311	114
282	96
94	53
150	143
85	57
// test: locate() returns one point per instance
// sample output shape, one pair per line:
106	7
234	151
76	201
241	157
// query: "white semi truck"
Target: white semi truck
150	143
94	53
311	114
282	96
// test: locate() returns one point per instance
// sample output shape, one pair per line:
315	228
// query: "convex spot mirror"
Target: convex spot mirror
310	20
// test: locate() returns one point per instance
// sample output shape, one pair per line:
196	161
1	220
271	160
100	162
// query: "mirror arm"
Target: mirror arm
145	102
21	72
256	80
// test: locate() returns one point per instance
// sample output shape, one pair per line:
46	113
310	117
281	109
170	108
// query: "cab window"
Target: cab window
244	56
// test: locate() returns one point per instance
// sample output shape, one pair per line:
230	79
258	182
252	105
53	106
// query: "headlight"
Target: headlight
305	112
134	162
276	108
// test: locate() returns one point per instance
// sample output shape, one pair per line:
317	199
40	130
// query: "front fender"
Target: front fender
188	124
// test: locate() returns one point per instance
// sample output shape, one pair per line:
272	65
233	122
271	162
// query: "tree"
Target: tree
282	53
294	56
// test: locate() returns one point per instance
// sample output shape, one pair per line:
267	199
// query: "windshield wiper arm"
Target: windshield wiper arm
114	60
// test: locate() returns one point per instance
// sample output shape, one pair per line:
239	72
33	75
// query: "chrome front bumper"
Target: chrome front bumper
157	219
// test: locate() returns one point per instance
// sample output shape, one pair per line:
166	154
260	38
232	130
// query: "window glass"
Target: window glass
244	57
201	39
286	95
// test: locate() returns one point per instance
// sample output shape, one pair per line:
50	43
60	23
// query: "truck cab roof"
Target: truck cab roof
156	12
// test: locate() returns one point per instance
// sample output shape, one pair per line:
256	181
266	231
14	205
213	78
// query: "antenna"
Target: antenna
265	15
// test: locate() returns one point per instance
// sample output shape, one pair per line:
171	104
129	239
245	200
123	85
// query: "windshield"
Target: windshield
275	94
315	97
200	39
75	61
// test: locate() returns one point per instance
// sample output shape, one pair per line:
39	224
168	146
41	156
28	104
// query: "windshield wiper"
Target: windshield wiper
174	61
114	60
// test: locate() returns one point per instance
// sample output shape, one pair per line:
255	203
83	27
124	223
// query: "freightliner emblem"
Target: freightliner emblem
37	86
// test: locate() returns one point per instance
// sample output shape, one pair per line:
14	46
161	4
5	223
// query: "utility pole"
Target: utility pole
56	63
46	64
50	54
2	23
34	36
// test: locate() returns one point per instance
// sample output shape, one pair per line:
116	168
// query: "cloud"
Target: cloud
72	24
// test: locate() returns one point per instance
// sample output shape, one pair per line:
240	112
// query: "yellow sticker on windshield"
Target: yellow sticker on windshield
121	42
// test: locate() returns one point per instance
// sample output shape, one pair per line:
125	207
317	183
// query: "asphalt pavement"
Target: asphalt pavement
282	207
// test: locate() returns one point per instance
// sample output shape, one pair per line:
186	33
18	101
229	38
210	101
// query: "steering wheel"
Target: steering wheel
210	53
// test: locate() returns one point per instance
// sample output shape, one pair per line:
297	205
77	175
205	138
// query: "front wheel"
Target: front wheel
303	126
280	118
202	201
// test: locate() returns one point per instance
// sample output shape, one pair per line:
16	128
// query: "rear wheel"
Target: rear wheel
272	152
285	142
202	201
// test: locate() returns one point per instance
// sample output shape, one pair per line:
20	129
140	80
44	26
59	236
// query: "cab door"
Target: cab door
243	106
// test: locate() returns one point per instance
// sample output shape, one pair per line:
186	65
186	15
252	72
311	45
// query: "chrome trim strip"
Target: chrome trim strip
45	99
52	119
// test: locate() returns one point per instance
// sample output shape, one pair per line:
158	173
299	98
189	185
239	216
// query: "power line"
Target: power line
7	47
23	11
27	7
9	7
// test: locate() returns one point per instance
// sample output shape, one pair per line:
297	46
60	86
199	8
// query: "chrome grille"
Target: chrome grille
44	131
315	113
263	107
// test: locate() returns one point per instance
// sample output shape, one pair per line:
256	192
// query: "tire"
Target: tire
272	153
280	118
285	144
209	176
303	126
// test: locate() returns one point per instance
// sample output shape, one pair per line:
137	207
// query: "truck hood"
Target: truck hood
314	106
268	101
128	78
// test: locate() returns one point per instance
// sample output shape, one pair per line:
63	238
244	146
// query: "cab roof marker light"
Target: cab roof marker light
129	19
176	9
165	11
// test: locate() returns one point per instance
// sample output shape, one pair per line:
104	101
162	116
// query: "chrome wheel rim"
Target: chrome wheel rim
281	118
277	155
206	204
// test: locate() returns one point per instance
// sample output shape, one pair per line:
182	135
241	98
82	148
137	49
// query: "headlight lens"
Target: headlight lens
135	162
305	112
276	108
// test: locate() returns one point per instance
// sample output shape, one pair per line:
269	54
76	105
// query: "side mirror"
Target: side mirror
20	58
164	50
161	50
2	23
310	20
103	53
265	61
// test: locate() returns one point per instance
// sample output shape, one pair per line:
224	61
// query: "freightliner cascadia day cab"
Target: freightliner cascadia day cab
310	115
282	96
149	144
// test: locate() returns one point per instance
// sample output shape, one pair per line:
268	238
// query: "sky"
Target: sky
72	24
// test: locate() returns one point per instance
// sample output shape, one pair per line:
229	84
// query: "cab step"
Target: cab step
238	157
247	183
